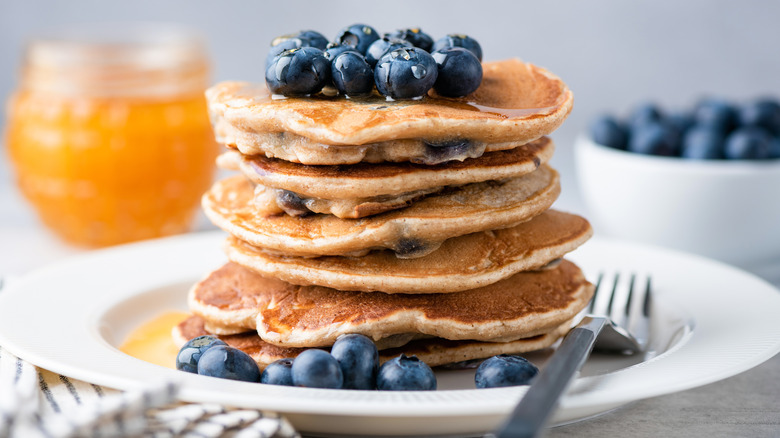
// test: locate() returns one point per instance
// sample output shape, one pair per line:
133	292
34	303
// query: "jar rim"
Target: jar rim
117	59
149	45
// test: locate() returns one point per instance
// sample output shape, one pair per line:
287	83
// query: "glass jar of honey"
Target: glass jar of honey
109	133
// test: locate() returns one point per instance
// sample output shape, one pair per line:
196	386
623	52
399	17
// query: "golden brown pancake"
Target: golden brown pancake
366	180
362	190
524	305
411	232
516	102
298	149
433	351
461	263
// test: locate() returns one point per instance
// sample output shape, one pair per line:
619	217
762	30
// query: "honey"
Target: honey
110	138
152	342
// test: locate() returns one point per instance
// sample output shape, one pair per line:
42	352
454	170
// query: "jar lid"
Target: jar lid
128	59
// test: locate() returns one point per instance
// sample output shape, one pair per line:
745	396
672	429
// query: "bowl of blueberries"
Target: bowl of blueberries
705	180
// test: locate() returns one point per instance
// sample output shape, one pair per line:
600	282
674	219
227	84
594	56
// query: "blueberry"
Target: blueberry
764	113
333	50
459	40
504	370
359	36
654	139
607	131
415	36
352	75
288	44
702	142
405	73
228	363
315	38
190	353
359	360
716	113
405	374
460	72
312	38
774	148
291	203
298	72
749	143
278	372
437	153
643	114
380	47
681	121
317	369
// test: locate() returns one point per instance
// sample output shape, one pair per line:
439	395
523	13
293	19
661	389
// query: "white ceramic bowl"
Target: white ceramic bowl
727	210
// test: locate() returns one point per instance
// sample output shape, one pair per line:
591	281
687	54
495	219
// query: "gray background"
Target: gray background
613	54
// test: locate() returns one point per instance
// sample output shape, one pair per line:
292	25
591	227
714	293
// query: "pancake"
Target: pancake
516	102
271	202
433	351
461	263
367	180
411	232
524	305
298	149
363	189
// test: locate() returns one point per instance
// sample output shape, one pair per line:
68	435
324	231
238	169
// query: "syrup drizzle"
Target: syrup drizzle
258	94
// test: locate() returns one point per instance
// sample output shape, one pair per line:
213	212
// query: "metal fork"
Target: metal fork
619	322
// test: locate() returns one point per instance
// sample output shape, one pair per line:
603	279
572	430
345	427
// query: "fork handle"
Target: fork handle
531	414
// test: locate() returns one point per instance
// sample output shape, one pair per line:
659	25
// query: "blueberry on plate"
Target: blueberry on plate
415	36
359	36
406	73
352	75
459	40
278	372
298	72
190	352
359	360
702	143
607	131
317	369
764	113
716	113
405	374
333	50
460	72
228	363
504	370
749	143
380	47
654	139
644	114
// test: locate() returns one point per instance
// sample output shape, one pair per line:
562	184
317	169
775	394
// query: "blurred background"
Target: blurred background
613	55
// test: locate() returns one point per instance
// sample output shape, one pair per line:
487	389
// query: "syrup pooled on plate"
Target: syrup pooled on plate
152	342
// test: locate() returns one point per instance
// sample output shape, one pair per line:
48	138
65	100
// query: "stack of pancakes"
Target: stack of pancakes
424	224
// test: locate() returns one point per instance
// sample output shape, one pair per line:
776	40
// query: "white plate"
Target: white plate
711	322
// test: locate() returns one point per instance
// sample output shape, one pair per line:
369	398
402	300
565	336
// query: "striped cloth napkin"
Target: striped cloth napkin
38	403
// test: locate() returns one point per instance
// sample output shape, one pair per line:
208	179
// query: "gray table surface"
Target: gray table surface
746	405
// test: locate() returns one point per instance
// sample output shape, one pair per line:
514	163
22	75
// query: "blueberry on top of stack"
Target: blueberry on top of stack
714	129
404	64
